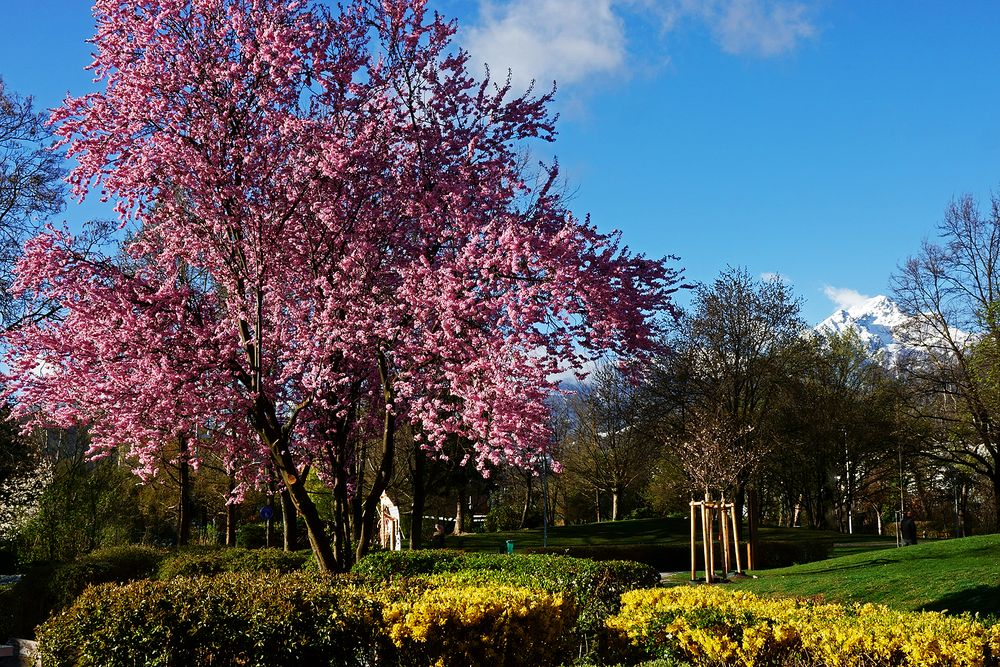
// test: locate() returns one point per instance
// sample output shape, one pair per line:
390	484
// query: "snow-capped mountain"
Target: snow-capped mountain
874	322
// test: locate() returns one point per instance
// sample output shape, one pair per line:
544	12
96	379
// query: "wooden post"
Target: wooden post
707	542
752	514
724	529
710	565
694	539
736	539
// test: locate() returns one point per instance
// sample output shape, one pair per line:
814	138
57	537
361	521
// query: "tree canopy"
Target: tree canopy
335	233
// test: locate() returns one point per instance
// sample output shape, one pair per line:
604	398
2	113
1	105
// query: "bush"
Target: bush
253	536
231	619
710	626
8	558
594	586
194	562
306	619
501	518
662	557
382	565
496	625
782	554
47	587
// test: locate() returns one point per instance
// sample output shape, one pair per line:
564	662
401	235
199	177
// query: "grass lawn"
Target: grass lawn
961	575
673	530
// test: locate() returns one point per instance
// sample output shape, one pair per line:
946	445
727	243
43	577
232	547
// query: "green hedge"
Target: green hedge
230	619
308	619
46	587
677	557
216	561
595	586
663	557
782	554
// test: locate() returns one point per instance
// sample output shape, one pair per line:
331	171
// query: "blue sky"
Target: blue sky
817	140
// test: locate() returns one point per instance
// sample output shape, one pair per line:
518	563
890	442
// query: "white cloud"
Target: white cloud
844	297
771	276
563	40
760	27
573	41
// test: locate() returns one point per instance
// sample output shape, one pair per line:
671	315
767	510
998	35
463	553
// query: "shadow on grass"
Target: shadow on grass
979	599
866	565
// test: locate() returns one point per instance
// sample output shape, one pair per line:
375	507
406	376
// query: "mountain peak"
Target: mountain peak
874	322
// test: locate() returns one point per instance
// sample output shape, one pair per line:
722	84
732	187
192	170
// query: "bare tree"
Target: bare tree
31	188
951	292
611	447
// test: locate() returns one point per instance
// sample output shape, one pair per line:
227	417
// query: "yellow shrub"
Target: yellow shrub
714	626
478	625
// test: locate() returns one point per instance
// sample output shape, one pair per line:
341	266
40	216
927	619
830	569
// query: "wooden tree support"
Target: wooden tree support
720	516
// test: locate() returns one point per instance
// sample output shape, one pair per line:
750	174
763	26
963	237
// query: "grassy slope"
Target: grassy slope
955	575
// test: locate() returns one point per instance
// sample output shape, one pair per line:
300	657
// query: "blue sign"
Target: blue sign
266	513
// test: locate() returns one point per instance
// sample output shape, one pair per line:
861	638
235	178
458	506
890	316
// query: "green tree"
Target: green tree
732	358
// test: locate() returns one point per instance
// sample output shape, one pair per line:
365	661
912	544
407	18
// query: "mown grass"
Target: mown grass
671	530
960	575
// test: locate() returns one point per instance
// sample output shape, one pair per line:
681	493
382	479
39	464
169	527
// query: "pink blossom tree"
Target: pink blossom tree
370	250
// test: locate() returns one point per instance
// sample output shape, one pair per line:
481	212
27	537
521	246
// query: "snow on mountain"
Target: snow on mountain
874	321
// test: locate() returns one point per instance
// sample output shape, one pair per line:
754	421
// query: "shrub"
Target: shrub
194	562
307	619
383	565
476	625
782	554
709	626
663	557
46	587
230	619
502	517
594	586
252	536
8	558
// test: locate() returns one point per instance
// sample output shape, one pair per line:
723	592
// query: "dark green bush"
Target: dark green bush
46	587
782	554
231	619
662	557
502	517
193	562
8	558
253	535
383	565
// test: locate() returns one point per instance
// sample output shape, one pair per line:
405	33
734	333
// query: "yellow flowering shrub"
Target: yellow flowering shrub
714	626
480	625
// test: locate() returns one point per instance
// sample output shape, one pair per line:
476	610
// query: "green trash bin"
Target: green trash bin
510	546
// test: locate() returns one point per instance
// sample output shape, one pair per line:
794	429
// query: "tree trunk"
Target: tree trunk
384	471
529	479
419	498
616	495
342	511
753	516
290	528
358	497
184	503
996	500
294	481
739	505
231	525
